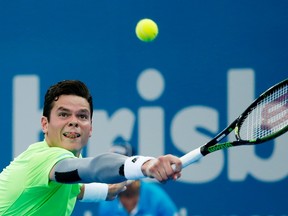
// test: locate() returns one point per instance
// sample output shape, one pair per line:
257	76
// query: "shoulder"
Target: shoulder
42	150
39	156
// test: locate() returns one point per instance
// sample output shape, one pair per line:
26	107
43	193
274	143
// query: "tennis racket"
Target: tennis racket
265	119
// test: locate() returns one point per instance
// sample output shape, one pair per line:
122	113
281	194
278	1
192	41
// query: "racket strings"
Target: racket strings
268	117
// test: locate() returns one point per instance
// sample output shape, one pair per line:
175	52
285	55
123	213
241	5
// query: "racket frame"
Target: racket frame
214	145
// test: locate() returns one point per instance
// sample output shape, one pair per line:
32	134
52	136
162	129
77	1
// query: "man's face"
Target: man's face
130	197
70	124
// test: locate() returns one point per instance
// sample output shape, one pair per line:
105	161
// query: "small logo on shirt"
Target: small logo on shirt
135	159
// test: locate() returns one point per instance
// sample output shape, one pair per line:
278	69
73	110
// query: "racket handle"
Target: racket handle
189	158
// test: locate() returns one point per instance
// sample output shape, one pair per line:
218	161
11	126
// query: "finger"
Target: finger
165	170
123	189
176	176
177	167
167	165
176	164
155	170
120	187
128	182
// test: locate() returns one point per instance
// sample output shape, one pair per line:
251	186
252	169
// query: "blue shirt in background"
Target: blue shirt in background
154	201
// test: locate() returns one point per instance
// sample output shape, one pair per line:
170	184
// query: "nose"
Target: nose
73	124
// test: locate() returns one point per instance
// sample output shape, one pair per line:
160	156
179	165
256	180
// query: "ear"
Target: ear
44	124
90	132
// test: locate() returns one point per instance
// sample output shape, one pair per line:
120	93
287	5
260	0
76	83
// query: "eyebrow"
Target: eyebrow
68	110
62	109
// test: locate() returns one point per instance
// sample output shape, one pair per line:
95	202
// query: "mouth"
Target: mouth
71	135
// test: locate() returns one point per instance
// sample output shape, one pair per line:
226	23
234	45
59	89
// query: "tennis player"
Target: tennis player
51	175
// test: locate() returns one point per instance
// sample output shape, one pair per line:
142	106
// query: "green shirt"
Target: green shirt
25	188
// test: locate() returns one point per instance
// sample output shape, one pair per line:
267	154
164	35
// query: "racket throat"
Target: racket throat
207	150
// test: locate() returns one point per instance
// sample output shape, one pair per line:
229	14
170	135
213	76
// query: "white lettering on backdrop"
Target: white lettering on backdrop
241	161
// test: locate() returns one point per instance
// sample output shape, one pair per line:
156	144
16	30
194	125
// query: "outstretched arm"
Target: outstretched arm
114	168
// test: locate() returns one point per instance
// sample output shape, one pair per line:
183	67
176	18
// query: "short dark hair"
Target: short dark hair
66	87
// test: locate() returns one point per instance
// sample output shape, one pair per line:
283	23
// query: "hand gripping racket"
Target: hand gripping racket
265	119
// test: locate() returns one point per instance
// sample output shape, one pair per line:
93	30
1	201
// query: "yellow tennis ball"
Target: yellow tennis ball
146	30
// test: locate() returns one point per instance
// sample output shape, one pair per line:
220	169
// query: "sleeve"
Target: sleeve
42	162
108	168
104	168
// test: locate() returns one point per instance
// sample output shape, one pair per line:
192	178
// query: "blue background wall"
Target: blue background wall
212	57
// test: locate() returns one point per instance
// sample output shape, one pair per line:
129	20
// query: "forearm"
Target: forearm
105	168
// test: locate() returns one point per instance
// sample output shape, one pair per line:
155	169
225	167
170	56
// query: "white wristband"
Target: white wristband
95	192
132	167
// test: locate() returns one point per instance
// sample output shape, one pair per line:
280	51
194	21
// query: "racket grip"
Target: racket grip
189	158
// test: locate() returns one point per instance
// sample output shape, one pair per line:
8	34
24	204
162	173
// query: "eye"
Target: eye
83	116
63	114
